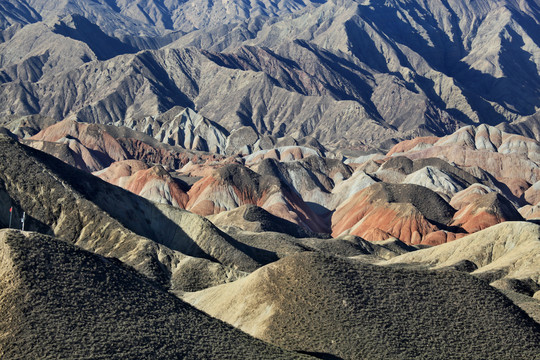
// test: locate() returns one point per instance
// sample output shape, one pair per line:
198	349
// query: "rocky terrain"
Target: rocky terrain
341	308
159	241
335	179
423	191
100	308
270	264
344	72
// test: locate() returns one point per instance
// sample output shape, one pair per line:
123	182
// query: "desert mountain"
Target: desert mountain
503	155
487	210
340	178
94	147
405	211
530	212
256	219
234	185
532	195
313	178
16	12
341	308
100	308
342	72
153	183
300	184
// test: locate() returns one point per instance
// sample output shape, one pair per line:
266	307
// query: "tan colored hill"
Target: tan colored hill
503	155
504	252
532	195
91	136
530	212
342	308
59	301
313	177
97	146
485	211
255	219
469	195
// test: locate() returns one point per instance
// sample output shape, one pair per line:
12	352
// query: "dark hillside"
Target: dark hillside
58	301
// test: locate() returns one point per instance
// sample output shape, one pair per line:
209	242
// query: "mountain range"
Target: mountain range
97	257
331	179
342	72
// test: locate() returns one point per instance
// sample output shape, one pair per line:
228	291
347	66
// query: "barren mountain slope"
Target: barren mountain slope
16	12
405	211
58	300
348	73
108	143
253	218
504	155
151	182
336	307
234	185
487	210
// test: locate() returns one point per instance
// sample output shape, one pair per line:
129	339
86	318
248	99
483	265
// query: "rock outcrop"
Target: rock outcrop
93	147
153	183
487	210
407	212
532	195
503	155
340	72
507	251
155	239
234	185
255	219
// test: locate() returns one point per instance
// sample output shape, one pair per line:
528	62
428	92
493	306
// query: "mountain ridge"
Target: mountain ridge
302	70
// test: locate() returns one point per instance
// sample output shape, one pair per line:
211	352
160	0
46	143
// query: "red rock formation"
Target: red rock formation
382	211
469	195
153	183
487	210
401	221
92	136
503	155
98	146
409	145
234	185
118	172
72	152
441	237
385	210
